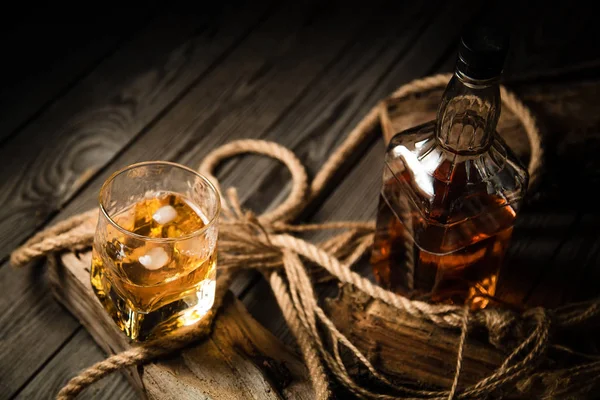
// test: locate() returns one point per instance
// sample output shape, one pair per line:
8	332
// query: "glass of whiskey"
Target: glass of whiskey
154	252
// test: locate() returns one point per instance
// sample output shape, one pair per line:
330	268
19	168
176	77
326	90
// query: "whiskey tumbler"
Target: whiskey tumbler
154	253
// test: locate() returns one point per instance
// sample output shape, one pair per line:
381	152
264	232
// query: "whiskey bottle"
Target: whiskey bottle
451	189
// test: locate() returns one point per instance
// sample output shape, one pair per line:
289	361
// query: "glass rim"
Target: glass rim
193	234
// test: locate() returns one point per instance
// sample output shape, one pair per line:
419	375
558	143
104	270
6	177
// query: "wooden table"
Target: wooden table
83	97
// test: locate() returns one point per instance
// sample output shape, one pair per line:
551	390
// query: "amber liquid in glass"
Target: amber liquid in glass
151	287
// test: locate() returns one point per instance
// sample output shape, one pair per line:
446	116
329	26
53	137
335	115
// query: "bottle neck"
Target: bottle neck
468	114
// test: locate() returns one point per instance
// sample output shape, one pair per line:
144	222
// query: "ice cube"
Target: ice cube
154	259
165	214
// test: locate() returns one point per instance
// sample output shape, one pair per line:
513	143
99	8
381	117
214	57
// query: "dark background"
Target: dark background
37	38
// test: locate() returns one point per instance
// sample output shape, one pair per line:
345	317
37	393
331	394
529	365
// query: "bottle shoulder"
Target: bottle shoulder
450	187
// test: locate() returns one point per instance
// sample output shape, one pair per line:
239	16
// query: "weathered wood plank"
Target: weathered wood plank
338	99
341	96
269	78
54	157
406	348
46	58
241	359
72	359
270	72
196	49
28	310
426	54
275	65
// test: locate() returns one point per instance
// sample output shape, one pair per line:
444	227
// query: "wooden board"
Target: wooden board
55	155
87	128
406	348
240	360
75	356
199	117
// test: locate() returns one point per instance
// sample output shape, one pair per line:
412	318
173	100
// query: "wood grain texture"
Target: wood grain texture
47	59
423	57
271	71
50	160
275	66
408	349
187	47
339	98
240	360
68	363
27	310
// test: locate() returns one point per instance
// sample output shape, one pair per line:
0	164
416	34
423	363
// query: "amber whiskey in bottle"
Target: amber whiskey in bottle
451	189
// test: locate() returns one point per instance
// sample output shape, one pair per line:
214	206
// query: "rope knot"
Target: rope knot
503	327
251	219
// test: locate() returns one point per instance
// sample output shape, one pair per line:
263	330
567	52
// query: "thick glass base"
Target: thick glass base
141	326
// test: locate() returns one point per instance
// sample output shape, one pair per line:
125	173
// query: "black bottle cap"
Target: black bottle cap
482	52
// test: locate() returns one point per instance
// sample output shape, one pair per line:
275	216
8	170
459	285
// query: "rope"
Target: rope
264	242
461	349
